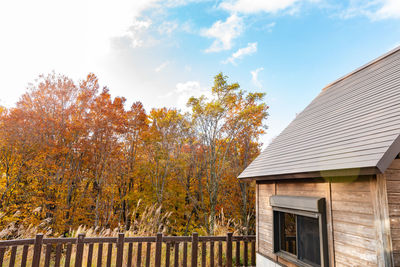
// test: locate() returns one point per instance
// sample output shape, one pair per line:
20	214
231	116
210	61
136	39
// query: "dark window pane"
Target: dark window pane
288	232
308	238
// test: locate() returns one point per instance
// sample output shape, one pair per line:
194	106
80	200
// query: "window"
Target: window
300	230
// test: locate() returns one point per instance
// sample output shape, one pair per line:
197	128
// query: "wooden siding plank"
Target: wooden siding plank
354	207
355	240
329	221
392	176
355	218
382	224
350	184
396	257
343	259
264	218
354	229
395	165
355	253
359	197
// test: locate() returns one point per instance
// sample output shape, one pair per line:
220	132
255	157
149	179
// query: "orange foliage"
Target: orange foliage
73	155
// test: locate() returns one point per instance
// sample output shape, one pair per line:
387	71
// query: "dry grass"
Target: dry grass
148	222
225	225
16	230
145	221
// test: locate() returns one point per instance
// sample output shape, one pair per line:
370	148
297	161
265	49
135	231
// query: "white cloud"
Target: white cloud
224	33
375	10
187	90
254	77
137	32
75	37
389	9
174	3
269	26
188	27
167	27
251	48
162	66
255	6
184	91
188	87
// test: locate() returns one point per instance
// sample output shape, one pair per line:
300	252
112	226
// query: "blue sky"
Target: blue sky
162	52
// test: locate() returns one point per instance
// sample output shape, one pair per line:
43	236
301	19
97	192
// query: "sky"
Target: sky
162	52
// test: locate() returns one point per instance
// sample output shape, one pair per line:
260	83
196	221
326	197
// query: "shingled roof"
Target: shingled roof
351	127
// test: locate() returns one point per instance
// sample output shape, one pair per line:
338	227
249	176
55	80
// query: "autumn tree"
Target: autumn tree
129	172
71	154
218	122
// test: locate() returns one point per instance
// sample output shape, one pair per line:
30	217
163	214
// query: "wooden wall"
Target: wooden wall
353	219
264	219
310	187
392	177
353	216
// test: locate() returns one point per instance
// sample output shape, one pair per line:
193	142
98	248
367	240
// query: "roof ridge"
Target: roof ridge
376	60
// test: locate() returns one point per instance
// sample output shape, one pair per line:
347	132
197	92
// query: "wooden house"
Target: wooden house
328	187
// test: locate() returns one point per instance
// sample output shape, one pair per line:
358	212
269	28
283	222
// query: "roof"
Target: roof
351	127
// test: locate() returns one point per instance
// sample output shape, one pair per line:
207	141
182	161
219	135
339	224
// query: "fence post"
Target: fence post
37	250
79	250
195	241
158	249
229	250
120	249
253	253
3	251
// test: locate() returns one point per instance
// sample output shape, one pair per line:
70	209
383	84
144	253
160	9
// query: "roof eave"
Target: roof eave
316	174
389	155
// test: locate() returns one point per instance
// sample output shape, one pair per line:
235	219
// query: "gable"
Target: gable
353	124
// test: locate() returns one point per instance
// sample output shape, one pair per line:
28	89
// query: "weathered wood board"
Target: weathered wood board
356	215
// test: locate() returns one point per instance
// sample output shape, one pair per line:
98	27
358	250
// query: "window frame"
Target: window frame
317	212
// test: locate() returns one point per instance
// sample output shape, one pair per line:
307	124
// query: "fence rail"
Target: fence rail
80	251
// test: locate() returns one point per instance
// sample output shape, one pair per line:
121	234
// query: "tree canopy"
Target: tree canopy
71	155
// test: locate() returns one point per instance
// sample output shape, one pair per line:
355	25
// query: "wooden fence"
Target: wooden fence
58	251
